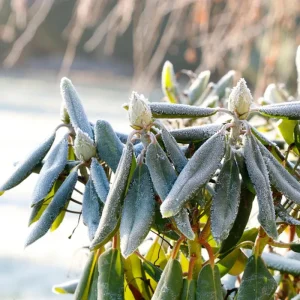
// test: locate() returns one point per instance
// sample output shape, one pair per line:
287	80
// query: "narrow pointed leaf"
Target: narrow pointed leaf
92	208
257	282
259	176
170	283
195	174
27	165
163	177
188	290
280	177
176	111
209	284
54	208
74	107
284	216
173	150
93	291
109	146
153	271
99	179
138	211
286	110
225	82
68	287
198	86
112	209
111	275
226	200
51	169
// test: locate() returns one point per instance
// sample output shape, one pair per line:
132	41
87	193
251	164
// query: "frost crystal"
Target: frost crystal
240	100
84	147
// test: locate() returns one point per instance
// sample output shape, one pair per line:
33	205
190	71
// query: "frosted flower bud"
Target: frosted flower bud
84	146
240	100
139	112
64	116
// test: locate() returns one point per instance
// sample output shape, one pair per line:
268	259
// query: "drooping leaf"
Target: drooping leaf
284	215
138	211
257	282
54	208
153	271
188	290
92	208
74	107
286	110
68	287
170	283
99	179
111	275
51	169
93	291
178	111
286	128
112	209
209	284
59	219
163	177
226	200
198	86
109	146
195	174
173	150
259	176
280	177
25	167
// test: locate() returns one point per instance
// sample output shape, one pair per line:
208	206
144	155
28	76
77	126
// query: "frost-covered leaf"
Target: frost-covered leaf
286	110
169	83
173	150
226	200
280	177
284	216
138	149
54	208
163	177
68	287
170	283
259	176
209	284
198	86
138	211
111	275
109	146
176	111
195	174
100	180
92	208
51	169
26	166
196	133
297	60
112	209
74	107
188	290
257	282
93	292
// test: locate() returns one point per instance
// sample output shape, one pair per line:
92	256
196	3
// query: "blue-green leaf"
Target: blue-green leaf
286	110
68	287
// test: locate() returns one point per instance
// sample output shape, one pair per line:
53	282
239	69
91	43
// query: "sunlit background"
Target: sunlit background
107	48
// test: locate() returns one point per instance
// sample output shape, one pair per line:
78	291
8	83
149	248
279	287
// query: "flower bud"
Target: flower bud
64	116
84	146
240	100
139	112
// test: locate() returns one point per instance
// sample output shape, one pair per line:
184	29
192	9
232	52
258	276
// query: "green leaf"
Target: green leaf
179	111
226	200
195	174
110	219
111	275
153	271
198	86
259	176
169	83
188	290
295	247
74	107
109	146
209	284
170	283
284	215
286	110
138	211
257	282
25	167
68	287
286	128
54	208
93	291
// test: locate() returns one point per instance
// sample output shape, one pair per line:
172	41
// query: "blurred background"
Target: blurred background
107	48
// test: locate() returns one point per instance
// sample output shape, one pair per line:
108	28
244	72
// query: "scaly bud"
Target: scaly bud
139	112
240	100
84	146
64	116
